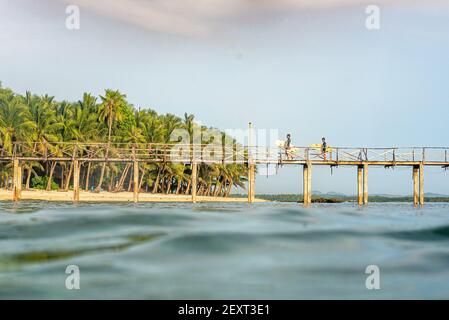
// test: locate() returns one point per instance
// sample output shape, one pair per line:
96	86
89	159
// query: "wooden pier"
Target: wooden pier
416	158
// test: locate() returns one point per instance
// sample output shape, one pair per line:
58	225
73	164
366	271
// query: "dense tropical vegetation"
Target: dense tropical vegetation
41	121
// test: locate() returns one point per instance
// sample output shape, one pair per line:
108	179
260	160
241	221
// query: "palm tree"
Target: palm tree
85	128
41	122
13	120
110	110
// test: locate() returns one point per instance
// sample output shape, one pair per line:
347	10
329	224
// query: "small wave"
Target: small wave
440	233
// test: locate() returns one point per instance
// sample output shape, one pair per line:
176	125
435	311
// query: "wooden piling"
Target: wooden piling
360	185
421	184
251	166
251	183
17	180
307	184
136	181
194	168
415	185
365	183
76	181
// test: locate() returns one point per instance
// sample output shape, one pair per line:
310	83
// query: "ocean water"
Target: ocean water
223	251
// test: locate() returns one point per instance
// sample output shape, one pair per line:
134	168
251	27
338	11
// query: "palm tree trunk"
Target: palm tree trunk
208	189
178	187
156	182
170	179
122	178
62	176
141	178
52	169
130	182
27	184
188	186
218	190
103	169
69	176
228	190
200	190
87	176
111	182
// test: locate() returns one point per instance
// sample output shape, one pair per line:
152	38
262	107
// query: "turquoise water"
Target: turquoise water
213	251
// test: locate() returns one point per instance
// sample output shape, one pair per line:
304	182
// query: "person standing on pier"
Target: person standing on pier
324	148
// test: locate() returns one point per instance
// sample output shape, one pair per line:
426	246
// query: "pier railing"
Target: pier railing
81	153
217	153
390	155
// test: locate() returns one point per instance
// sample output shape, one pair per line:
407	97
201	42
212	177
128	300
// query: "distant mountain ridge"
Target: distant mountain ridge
343	195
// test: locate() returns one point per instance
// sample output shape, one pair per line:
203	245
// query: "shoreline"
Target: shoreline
105	196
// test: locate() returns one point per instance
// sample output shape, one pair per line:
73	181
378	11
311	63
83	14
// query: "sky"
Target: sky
306	67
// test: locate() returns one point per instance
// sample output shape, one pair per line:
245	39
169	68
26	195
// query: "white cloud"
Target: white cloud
200	17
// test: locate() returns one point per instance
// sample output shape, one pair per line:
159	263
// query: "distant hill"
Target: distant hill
435	195
338	197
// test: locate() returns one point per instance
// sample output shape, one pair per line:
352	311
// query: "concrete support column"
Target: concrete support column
251	183
194	180
421	183
17	180
415	185
360	185
365	183
307	184
76	181
136	181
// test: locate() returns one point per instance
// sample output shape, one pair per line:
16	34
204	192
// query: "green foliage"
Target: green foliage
127	122
40	183
39	121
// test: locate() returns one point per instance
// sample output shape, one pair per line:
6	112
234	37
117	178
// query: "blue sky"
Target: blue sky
310	68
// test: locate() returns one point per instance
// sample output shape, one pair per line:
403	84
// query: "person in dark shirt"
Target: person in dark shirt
323	148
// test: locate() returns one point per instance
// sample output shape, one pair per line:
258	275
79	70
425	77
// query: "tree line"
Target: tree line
41	121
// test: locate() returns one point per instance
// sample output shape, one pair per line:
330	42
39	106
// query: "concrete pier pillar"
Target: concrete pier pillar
17	180
251	183
194	180
421	184
76	181
365	183
360	185
136	181
307	184
415	185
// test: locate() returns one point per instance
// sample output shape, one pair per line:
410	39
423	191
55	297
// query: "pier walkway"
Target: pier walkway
417	158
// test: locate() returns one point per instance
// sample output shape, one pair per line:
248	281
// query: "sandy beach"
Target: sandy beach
104	196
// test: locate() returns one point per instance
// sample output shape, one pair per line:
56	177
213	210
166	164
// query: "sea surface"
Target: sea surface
223	251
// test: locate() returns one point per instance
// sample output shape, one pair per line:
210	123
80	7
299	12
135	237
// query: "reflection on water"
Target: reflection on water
207	251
